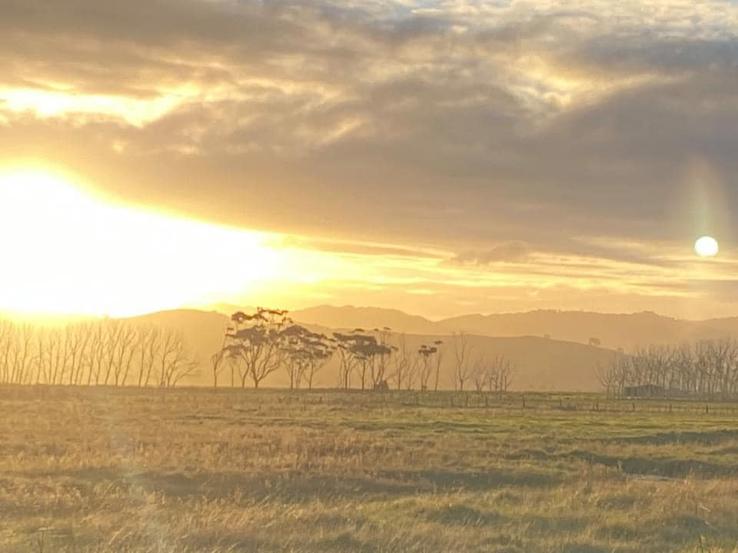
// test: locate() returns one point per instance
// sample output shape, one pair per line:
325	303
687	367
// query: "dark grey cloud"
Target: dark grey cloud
576	258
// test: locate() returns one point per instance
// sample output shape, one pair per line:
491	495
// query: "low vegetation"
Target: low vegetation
706	369
97	353
105	469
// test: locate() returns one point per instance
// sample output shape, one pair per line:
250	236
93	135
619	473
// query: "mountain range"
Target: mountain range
612	330
551	350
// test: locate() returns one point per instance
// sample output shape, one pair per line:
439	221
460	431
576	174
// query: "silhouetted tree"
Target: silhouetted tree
255	343
306	353
360	351
380	364
438	359
429	359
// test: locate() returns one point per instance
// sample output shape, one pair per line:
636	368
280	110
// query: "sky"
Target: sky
441	157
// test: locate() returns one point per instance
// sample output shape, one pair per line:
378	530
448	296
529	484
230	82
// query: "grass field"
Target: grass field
107	470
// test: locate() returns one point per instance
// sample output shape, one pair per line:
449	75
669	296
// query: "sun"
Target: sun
67	251
706	246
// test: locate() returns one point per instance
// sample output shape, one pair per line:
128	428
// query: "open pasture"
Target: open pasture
198	470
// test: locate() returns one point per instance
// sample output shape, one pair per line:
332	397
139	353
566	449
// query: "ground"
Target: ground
198	470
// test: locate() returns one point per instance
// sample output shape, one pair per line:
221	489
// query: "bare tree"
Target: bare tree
95	353
607	375
23	356
79	338
480	373
462	352
217	361
7	343
150	349
401	362
176	362
500	373
707	368
124	349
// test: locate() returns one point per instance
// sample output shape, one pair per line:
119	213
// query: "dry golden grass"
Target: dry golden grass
110	470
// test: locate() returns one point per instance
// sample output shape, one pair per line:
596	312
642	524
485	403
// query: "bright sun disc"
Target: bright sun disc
64	251
706	246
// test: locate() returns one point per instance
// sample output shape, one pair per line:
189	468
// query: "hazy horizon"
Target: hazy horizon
229	309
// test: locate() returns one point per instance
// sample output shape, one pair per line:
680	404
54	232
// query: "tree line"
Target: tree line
107	353
258	344
707	368
255	346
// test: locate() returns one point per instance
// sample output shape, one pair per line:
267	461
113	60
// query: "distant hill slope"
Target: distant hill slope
613	330
349	317
542	364
202	330
727	326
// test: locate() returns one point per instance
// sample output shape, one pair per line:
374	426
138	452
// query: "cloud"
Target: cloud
511	252
454	123
358	248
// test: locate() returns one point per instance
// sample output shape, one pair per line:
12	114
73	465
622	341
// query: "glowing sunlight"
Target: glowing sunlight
65	251
57	103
